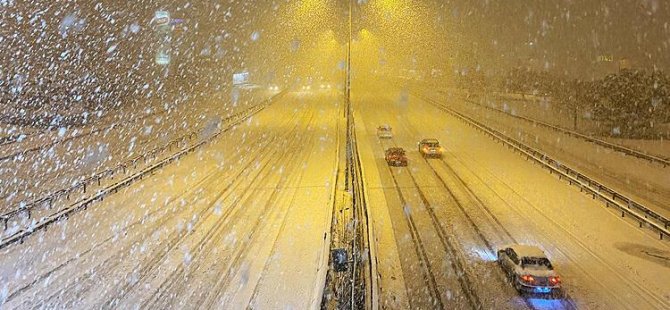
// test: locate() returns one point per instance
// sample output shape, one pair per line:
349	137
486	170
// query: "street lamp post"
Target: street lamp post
348	81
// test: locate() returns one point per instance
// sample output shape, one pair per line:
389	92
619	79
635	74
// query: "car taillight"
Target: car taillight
527	278
555	280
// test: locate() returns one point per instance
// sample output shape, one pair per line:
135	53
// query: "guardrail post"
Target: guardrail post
84	187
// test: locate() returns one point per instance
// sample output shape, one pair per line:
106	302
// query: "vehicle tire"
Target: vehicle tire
517	286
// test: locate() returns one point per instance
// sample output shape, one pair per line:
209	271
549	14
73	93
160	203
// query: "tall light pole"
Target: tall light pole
348	78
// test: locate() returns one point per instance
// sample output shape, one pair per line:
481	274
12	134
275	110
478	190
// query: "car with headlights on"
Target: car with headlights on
529	270
430	148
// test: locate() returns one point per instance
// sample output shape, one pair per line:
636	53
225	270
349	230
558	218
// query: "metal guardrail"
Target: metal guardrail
26	208
59	141
362	287
613	146
627	206
364	223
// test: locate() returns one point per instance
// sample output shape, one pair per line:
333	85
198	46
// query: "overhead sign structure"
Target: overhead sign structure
163	30
162	58
241	78
161	18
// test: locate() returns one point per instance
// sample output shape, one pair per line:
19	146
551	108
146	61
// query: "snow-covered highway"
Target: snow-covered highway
222	226
243	222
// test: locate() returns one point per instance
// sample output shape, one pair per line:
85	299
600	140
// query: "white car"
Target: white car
529	270
430	148
384	132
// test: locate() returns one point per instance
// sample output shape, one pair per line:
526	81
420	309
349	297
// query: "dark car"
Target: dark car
395	156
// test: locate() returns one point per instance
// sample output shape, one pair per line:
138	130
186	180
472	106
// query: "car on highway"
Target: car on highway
529	270
384	132
430	148
395	156
273	87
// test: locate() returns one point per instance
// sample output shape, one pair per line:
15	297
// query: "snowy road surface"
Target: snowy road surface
53	160
645	182
449	216
226	226
242	223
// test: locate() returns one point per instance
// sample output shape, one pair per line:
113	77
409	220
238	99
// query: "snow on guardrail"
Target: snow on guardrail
26	208
613	146
645	216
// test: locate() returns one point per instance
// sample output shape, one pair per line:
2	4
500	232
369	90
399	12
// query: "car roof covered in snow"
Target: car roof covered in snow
384	126
430	141
523	250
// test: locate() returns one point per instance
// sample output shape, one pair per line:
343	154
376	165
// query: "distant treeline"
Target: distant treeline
630	103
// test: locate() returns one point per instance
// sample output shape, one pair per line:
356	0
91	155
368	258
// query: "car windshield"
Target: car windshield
214	154
536	263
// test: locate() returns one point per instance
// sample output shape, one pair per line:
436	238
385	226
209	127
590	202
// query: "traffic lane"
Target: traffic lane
492	293
125	212
545	206
419	294
300	250
641	180
221	248
393	293
256	229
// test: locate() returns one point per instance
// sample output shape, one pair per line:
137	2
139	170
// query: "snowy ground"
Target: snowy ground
544	110
482	196
243	222
645	182
56	159
240	222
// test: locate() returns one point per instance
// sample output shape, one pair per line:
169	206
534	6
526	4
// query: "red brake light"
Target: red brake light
555	280
528	278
